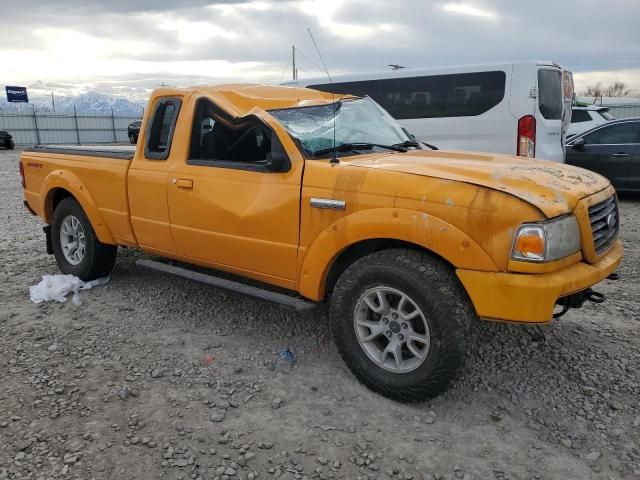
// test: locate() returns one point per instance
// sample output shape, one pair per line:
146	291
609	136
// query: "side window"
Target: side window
214	141
359	89
615	134
434	96
578	116
161	129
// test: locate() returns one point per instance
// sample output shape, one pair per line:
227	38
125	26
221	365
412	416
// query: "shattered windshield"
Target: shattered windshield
360	123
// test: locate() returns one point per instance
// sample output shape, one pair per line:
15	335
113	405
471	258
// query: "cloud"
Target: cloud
130	47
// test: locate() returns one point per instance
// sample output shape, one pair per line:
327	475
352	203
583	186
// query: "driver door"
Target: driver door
228	208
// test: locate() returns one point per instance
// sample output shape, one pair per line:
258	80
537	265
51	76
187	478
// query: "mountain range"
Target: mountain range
86	103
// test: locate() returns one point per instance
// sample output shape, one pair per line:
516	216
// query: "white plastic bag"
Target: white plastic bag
57	287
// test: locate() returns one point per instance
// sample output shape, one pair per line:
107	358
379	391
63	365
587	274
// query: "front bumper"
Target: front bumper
531	298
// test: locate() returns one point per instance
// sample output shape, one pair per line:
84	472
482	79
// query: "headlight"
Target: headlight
546	241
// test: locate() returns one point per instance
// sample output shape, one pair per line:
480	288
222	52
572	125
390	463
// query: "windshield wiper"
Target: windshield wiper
415	144
347	147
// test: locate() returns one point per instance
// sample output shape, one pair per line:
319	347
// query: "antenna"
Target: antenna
334	159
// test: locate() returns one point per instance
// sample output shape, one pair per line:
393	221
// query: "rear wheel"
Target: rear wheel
132	138
401	323
75	245
9	145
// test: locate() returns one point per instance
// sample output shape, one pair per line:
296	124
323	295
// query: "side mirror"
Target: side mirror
278	162
278	159
578	144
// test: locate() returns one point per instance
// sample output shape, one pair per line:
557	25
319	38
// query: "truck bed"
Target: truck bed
124	152
97	174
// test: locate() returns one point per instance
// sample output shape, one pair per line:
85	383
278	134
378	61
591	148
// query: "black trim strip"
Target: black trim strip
88	152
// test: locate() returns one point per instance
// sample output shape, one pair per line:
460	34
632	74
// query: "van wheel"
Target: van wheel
401	322
75	245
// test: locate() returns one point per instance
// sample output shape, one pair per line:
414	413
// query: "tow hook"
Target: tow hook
595	297
576	300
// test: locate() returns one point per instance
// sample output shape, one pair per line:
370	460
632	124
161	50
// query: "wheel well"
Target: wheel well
358	250
55	197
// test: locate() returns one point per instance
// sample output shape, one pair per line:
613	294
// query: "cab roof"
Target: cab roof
241	98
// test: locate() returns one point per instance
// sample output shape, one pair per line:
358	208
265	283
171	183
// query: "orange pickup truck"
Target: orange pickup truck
328	198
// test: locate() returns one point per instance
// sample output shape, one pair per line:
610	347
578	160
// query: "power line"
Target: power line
309	60
285	69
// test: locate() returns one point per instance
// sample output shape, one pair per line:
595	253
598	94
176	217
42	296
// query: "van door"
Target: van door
550	115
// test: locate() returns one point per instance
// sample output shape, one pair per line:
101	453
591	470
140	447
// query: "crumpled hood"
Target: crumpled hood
552	187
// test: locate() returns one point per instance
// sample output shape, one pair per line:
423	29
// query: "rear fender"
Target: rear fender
420	229
71	183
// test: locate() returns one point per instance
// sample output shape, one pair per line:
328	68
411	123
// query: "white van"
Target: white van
521	108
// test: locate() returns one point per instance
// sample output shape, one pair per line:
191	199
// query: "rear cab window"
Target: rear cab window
161	128
550	101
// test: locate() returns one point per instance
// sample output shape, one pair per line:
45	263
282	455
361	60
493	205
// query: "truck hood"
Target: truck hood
554	188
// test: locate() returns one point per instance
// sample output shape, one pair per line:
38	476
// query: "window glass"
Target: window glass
162	126
578	116
454	95
550	94
359	89
615	134
320	129
215	140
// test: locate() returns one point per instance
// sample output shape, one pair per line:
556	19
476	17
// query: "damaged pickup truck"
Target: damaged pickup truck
329	199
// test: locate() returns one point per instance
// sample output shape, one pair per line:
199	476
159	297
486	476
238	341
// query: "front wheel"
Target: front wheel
75	245
10	145
401	322
132	138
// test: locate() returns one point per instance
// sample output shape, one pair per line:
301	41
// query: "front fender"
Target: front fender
70	182
410	226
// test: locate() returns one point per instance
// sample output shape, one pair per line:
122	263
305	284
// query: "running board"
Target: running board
294	303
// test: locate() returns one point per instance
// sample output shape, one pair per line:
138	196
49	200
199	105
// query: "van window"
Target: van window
433	96
161	128
359	89
550	94
578	116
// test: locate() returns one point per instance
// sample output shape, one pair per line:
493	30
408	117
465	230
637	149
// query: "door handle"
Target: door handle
183	183
620	155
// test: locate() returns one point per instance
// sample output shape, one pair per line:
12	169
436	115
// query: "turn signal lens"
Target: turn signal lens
530	244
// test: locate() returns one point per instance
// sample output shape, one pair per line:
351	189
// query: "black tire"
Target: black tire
10	145
132	138
98	259
432	285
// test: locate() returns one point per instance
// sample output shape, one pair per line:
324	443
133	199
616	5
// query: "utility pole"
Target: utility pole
293	63
53	102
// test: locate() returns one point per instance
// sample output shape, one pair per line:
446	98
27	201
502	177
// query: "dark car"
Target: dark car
611	149
6	140
133	131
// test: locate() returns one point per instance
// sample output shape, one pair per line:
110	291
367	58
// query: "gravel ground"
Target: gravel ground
153	377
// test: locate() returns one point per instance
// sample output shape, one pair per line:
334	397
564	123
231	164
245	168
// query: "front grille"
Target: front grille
604	223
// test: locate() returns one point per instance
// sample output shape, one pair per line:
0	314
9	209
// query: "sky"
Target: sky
128	47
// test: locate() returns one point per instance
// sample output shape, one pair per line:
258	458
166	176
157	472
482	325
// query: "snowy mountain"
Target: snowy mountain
87	103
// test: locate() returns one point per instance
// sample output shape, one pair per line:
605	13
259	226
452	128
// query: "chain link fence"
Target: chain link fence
54	128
